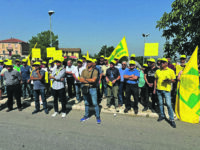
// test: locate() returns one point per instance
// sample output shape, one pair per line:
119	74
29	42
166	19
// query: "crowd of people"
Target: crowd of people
91	80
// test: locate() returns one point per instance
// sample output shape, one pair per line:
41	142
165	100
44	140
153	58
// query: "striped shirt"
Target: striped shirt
58	74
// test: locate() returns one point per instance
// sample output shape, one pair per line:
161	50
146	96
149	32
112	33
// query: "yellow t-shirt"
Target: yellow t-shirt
162	75
178	69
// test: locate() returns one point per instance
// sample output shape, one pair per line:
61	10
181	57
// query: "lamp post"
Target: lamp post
51	12
145	35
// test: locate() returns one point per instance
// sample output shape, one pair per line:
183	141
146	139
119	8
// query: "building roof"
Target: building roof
70	49
12	40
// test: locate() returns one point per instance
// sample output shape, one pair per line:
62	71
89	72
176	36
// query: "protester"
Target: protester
101	61
3	81
149	76
39	87
17	66
70	79
58	88
25	73
88	79
117	65
132	75
170	65
138	66
162	86
112	79
158	63
122	85
182	64
12	79
77	74
103	80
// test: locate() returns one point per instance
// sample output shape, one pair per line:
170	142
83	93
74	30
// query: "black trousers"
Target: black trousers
132	89
70	83
61	94
148	92
14	90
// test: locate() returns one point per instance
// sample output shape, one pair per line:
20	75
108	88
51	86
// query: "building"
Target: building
71	52
13	46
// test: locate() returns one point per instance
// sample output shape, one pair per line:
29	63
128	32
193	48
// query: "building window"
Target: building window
3	51
72	53
16	52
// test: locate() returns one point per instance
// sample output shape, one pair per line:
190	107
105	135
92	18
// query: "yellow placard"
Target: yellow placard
57	54
151	49
36	53
110	83
50	51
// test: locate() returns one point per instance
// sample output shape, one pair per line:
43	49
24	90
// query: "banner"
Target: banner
151	49
36	53
57	54
120	51
51	51
187	106
88	56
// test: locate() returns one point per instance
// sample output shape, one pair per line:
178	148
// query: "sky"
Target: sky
86	24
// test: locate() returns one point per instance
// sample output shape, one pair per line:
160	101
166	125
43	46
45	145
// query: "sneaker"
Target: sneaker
136	111
19	109
98	121
107	107
173	124
63	115
41	103
145	109
46	111
84	119
160	119
8	110
35	111
54	114
126	110
117	109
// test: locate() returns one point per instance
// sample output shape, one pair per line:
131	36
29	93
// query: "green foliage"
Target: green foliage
43	41
181	27
106	51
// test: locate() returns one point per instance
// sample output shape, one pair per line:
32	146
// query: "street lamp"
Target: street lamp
50	12
145	35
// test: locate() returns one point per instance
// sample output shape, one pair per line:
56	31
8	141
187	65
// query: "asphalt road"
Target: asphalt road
24	131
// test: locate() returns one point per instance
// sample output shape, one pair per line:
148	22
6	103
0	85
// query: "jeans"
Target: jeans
93	95
13	90
27	86
132	89
36	96
104	86
61	94
122	88
112	90
167	96
78	91
149	90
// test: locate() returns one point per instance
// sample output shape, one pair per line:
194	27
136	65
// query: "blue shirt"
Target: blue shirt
39	84
25	71
132	72
122	71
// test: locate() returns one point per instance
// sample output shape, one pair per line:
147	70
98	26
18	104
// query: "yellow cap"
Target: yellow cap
1	60
17	60
24	60
94	60
58	60
51	61
116	58
164	59
158	59
132	55
145	65
132	62
44	62
113	61
83	56
183	56
101	56
9	63
105	58
37	63
152	60
174	64
89	59
80	60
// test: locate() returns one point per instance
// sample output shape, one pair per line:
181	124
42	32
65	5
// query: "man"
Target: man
101	61
122	85
158	63
84	61
112	79
162	86
137	63
58	88
17	65
171	66
182	64
117	65
103	79
39	87
149	76
132	76
88	79
12	79
25	73
70	79
77	74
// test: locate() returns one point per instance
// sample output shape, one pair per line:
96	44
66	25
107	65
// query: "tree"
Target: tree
43	41
106	51
181	27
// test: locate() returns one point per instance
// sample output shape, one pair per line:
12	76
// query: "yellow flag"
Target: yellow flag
151	49
187	106
120	51
29	61
88	56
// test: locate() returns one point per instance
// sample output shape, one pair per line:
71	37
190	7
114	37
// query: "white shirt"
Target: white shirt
70	69
77	72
